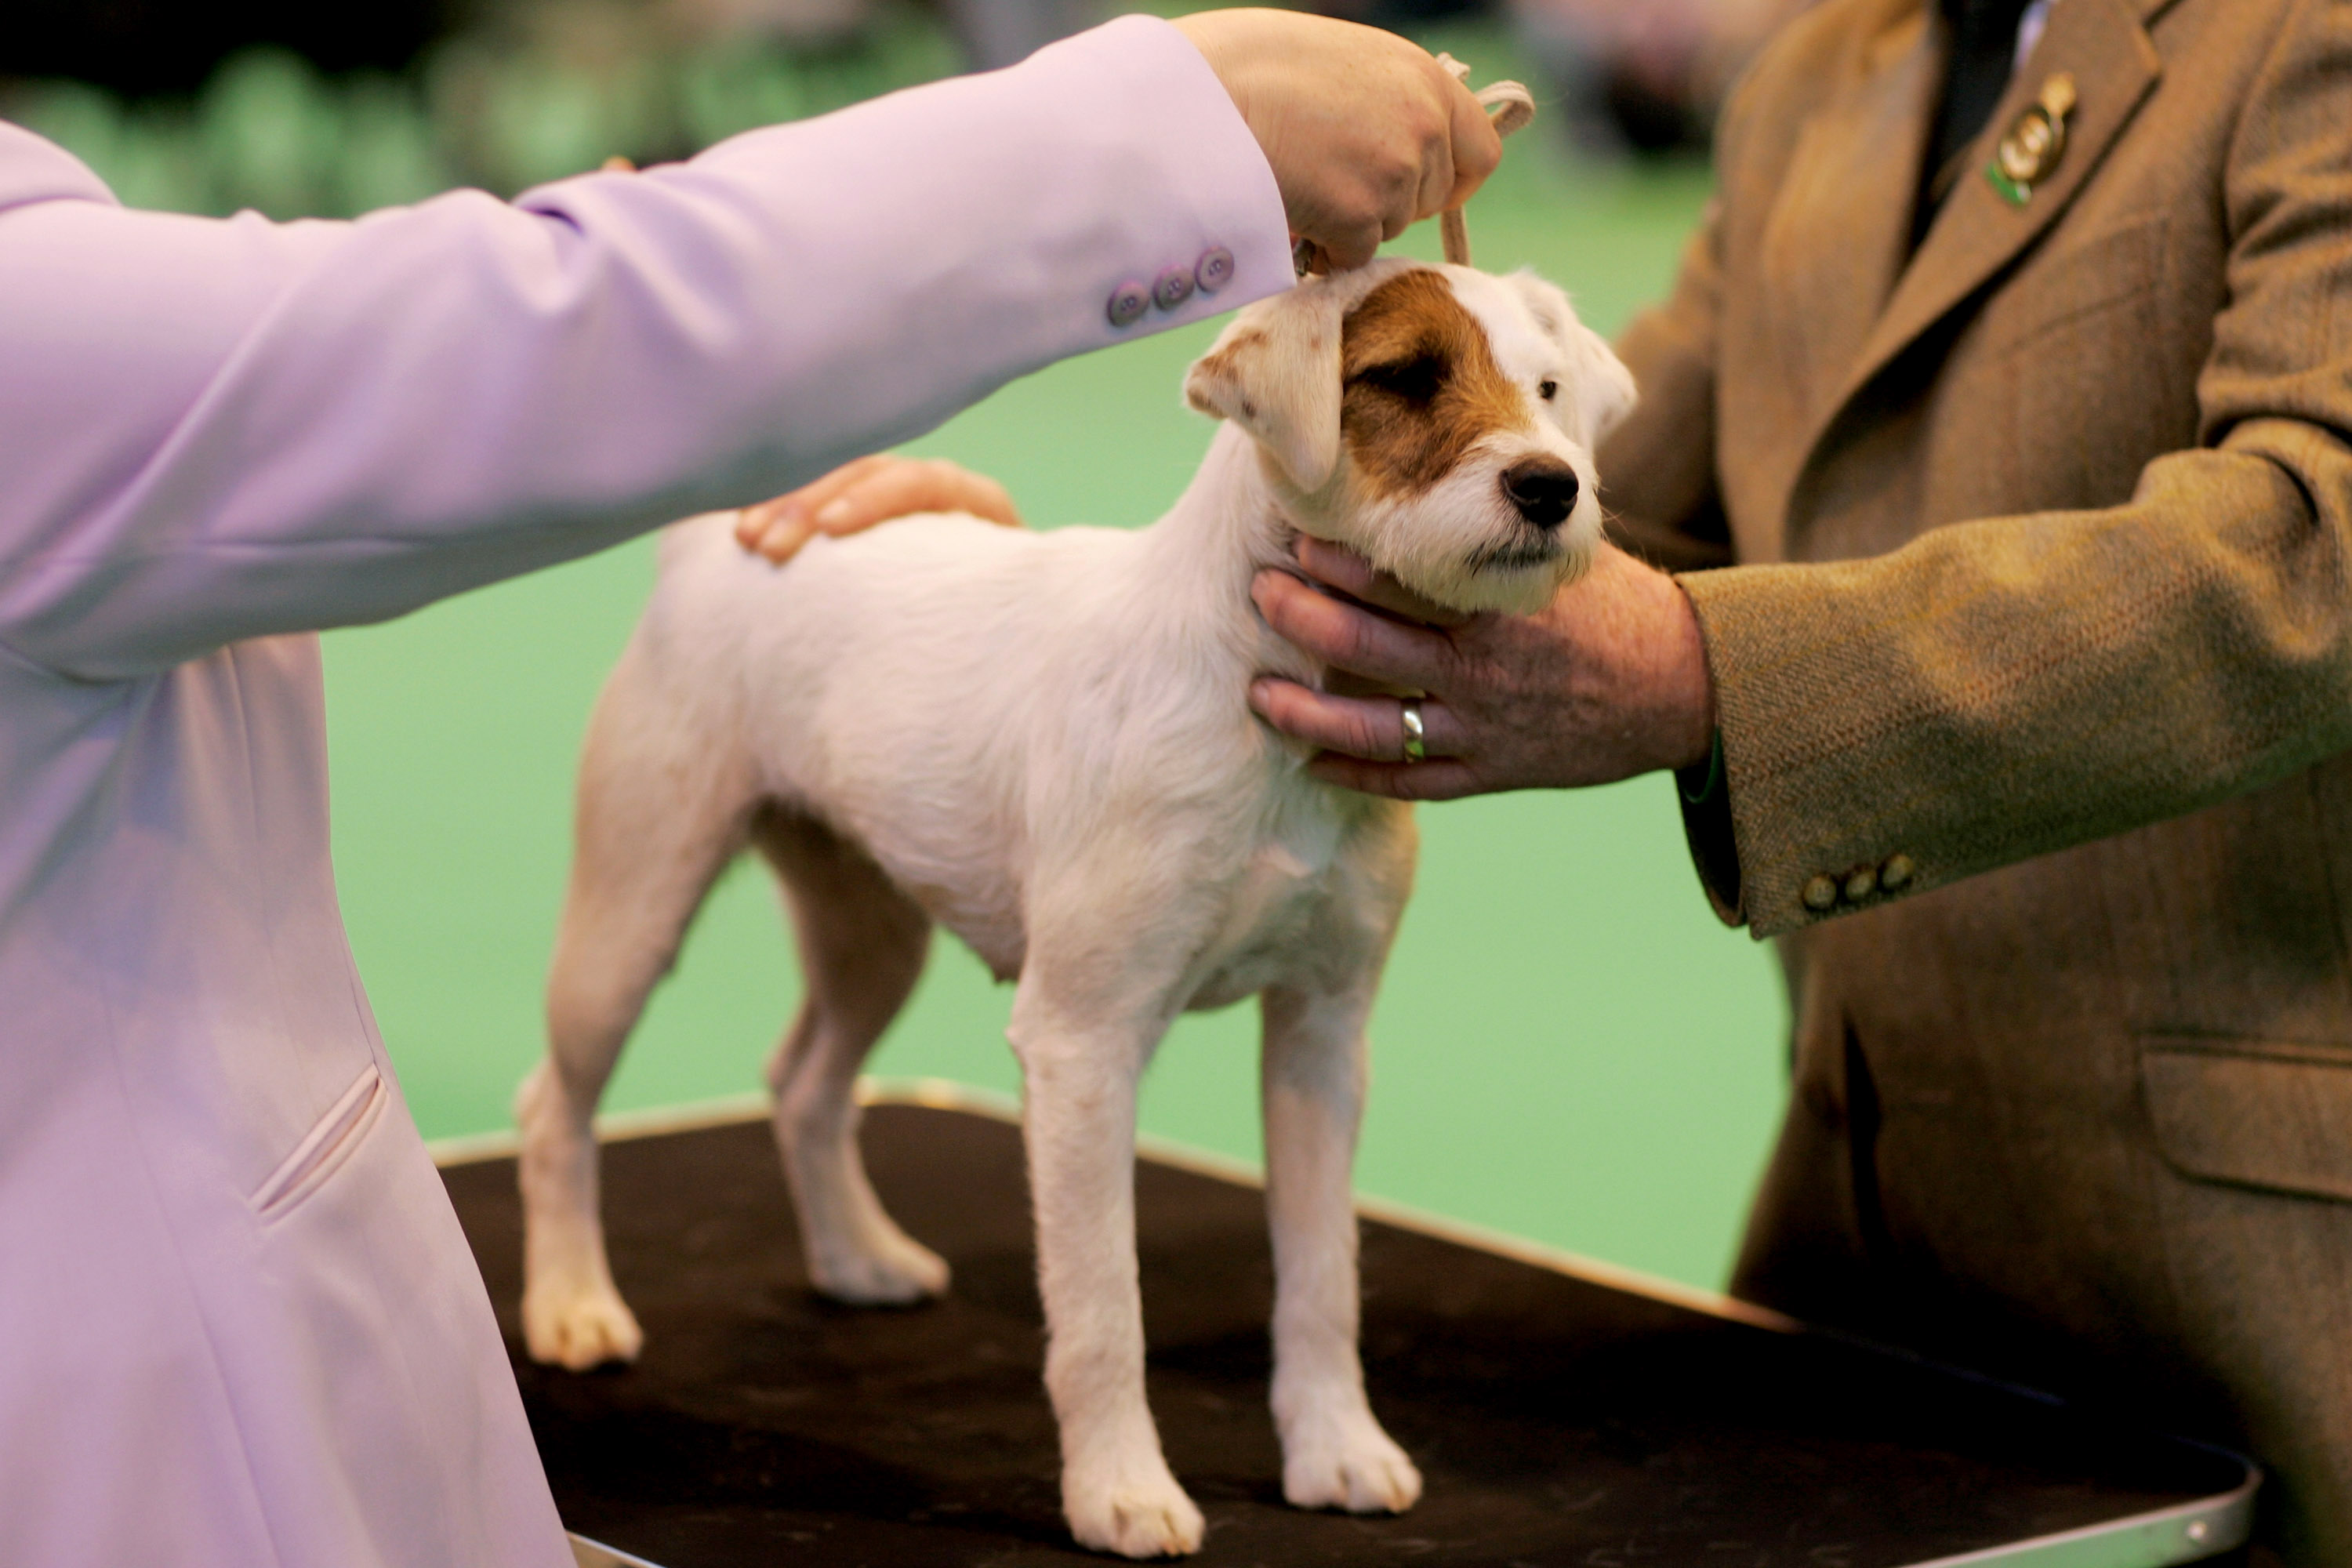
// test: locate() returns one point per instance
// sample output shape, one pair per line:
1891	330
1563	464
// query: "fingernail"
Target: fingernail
1261	695
834	513
780	544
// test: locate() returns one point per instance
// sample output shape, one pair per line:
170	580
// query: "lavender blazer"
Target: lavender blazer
238	1324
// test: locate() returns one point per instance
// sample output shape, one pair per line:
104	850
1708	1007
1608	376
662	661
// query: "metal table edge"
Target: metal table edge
2185	1532
587	1553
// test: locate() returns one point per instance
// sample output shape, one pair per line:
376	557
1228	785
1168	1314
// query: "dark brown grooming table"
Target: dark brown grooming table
1557	1419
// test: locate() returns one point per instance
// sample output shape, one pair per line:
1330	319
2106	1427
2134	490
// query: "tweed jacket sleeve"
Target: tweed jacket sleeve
2001	687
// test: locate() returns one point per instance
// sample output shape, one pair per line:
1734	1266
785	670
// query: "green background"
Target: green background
1568	1045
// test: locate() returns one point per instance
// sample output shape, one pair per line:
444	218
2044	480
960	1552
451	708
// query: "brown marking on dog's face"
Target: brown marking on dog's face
1421	385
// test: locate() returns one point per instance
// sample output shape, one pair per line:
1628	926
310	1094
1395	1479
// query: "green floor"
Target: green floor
1568	1045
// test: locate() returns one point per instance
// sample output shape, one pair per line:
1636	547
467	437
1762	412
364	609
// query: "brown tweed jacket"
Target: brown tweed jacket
2033	549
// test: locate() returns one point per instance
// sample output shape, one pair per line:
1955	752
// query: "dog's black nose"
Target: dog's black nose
1543	489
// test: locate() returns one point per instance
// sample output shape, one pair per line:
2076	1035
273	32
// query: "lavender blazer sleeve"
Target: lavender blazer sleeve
216	430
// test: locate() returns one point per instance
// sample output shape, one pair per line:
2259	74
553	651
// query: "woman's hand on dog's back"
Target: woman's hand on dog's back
873	489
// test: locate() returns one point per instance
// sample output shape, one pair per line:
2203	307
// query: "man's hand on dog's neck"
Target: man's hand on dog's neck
1608	681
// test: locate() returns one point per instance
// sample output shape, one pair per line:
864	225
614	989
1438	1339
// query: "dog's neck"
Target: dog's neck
1195	569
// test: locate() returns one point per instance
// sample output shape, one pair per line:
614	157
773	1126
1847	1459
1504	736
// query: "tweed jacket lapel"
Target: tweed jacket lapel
1834	242
2105	46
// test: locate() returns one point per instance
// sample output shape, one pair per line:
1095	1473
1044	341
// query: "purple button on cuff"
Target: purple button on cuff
1172	287
1214	269
1128	301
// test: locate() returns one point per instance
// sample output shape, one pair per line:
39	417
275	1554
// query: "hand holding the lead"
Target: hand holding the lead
1365	130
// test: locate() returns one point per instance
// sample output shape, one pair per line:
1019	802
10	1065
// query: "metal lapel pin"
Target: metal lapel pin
2034	141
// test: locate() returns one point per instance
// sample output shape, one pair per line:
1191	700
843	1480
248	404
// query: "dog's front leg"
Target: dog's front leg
1080	1059
1334	1453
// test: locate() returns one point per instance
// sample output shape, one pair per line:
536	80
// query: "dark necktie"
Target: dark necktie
1983	36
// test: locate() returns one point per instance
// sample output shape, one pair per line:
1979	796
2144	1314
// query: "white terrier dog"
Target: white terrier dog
1041	742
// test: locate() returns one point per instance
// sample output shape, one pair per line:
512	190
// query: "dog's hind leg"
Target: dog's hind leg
862	946
1334	1452
662	809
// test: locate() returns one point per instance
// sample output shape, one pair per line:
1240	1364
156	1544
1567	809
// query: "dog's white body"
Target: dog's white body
1040	742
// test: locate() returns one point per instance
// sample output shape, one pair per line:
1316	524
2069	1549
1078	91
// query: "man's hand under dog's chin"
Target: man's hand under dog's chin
1608	681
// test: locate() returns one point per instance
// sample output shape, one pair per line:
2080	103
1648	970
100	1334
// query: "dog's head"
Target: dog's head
1438	421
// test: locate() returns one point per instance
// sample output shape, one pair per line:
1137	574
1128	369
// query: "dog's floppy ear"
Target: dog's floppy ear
1606	392
1602	388
1275	372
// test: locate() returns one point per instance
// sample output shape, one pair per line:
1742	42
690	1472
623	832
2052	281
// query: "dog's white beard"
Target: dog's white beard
1460	544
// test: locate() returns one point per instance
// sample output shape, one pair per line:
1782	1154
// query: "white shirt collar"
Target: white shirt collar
2028	31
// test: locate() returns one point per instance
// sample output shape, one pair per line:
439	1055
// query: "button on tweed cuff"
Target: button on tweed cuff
1823	892
1129	302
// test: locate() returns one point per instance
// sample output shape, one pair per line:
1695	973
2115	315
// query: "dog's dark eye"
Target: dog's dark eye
1415	380
1547	390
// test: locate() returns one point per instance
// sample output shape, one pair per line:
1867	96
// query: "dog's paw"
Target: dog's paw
579	1327
895	1270
1139	1514
1348	1463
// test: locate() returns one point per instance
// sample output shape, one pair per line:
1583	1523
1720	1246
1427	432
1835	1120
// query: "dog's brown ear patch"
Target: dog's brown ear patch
1421	384
1222	367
